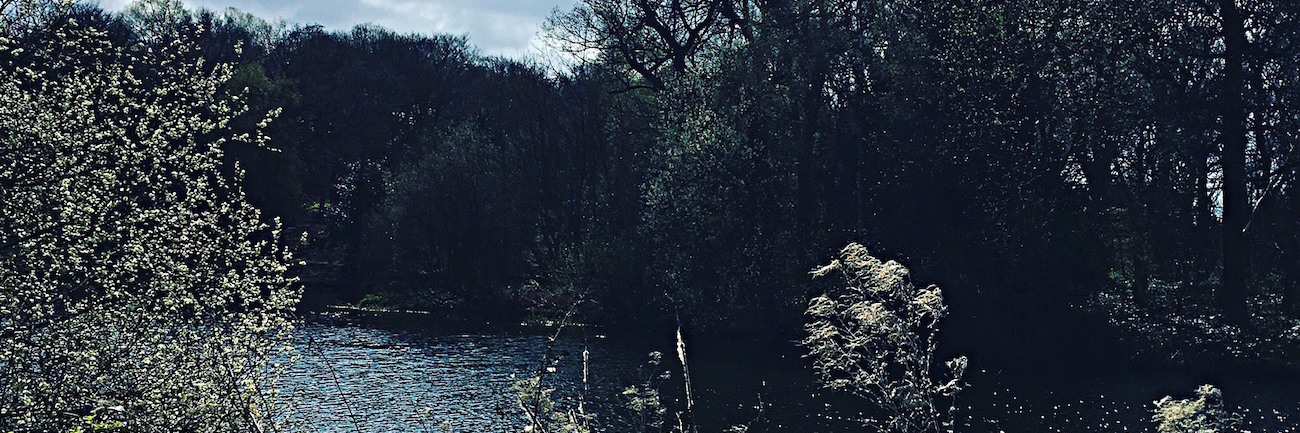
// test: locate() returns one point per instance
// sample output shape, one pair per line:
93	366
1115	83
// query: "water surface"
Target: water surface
358	375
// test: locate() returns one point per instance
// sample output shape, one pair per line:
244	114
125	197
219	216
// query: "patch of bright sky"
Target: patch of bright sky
508	28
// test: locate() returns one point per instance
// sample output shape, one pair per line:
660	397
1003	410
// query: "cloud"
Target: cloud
496	27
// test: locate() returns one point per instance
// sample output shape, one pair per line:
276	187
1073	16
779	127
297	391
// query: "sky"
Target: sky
497	27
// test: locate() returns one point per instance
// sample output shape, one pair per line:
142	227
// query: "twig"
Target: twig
534	415
686	371
352	415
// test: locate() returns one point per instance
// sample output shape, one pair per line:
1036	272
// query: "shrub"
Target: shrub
133	274
1203	414
372	301
875	339
544	416
642	399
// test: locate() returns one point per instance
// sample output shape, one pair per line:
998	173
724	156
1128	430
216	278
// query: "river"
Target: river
354	374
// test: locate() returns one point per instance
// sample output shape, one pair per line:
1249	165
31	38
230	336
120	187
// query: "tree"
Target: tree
655	40
22	17
1251	45
154	21
1236	203
137	282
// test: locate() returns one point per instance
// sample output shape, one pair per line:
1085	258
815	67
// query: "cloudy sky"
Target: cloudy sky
497	27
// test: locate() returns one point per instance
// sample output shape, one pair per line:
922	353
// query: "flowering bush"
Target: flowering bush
136	283
1203	414
875	339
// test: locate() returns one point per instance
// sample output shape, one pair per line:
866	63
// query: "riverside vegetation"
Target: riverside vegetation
1084	179
140	289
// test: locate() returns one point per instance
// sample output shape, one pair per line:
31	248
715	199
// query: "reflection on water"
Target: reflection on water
351	377
356	377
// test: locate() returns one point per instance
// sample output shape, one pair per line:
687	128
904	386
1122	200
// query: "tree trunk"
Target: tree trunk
1139	254
1141	279
1203	256
1137	226
1236	206
1291	297
808	168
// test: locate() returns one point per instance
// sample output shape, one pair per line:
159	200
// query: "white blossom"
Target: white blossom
131	270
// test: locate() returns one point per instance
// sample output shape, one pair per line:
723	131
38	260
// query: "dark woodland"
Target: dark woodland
1099	188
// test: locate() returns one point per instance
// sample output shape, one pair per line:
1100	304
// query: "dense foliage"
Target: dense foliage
697	152
139	288
1042	160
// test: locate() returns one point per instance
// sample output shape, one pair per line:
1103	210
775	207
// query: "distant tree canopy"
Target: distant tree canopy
1037	152
138	285
1028	155
698	151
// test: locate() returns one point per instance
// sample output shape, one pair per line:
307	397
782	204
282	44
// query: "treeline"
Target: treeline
701	153
427	174
417	169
